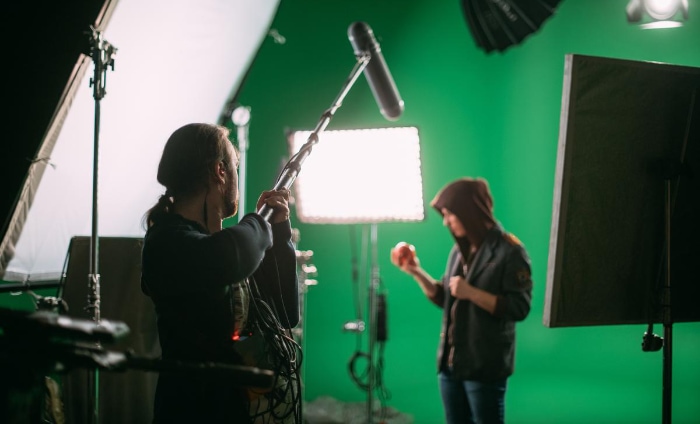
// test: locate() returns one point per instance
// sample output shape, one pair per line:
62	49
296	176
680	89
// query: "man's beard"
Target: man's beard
230	202
231	209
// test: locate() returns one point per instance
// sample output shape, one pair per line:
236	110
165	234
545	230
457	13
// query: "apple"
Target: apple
403	253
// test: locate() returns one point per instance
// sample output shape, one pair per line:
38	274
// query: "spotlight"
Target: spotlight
653	14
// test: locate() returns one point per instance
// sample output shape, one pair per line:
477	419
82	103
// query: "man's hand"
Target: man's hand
278	200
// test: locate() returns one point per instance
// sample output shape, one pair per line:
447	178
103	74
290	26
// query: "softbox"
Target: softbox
497	25
627	180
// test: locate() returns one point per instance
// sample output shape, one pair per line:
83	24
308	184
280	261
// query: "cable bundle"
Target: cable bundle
276	350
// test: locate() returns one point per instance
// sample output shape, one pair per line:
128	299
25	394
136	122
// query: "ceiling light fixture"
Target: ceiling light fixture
655	14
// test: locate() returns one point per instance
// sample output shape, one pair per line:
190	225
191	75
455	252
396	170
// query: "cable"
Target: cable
352	369
383	393
283	355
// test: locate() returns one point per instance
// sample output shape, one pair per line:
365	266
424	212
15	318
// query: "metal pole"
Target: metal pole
240	118
102	54
668	324
293	167
373	286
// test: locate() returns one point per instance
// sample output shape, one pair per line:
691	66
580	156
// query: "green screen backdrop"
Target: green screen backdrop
491	115
495	116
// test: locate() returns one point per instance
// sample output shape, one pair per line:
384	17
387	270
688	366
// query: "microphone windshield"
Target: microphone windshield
377	73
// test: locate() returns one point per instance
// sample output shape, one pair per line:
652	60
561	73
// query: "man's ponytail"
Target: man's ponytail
163	206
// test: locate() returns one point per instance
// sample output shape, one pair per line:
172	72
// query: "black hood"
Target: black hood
470	200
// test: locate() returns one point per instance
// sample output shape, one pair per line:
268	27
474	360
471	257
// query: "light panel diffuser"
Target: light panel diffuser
360	176
173	66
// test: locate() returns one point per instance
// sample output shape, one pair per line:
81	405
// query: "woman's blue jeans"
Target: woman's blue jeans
472	402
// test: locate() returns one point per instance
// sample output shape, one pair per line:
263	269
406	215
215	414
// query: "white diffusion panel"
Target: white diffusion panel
176	62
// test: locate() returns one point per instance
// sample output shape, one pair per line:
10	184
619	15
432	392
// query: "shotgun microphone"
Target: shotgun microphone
377	73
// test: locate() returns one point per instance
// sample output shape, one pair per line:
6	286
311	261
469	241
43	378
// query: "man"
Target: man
214	287
485	290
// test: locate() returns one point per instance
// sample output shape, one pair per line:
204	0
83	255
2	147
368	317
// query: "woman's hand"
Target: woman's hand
403	256
459	287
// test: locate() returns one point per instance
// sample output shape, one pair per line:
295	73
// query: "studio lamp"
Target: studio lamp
360	176
653	14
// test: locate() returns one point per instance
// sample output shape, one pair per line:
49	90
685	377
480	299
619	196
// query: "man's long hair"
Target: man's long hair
185	166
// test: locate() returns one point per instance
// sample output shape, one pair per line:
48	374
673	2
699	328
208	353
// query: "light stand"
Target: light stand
241	119
373	286
390	155
668	323
652	342
376	317
102	53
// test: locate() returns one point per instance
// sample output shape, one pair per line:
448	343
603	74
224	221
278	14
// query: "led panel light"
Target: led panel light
360	176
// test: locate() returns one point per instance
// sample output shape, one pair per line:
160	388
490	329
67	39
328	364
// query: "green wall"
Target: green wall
491	115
